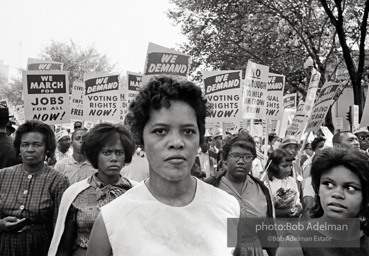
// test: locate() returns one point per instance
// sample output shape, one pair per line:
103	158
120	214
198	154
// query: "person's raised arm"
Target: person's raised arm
99	244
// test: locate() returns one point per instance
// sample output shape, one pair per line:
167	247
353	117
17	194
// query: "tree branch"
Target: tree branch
329	12
363	32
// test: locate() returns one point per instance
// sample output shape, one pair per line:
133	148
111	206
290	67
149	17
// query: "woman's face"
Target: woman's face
110	162
33	149
340	193
171	139
285	168
237	167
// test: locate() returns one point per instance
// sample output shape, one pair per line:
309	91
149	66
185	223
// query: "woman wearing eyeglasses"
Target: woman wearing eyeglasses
253	196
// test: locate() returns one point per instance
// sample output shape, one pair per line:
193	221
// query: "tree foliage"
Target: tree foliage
225	34
13	90
332	32
77	60
350	19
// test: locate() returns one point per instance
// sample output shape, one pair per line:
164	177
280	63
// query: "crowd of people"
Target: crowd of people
161	184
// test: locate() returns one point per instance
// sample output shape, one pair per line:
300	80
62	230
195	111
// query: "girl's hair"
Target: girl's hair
103	134
357	161
275	158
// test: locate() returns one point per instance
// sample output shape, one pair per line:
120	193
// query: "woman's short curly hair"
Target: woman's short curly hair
40	127
157	94
274	159
242	140
104	134
356	161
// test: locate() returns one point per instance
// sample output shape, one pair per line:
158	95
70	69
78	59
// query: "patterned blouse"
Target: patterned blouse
86	206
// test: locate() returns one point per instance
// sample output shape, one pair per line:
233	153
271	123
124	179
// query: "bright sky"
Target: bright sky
121	29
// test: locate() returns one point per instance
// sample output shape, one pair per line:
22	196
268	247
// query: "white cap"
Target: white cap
61	134
362	129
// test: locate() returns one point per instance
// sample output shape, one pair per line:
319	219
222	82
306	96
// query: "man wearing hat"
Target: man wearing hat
217	138
206	159
62	150
8	156
363	136
76	167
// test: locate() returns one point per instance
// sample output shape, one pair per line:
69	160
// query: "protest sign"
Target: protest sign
355	118
76	101
340	90
19	114
255	91
328	136
311	93
46	65
223	90
101	98
365	116
338	123
290	100
287	118
4	102
274	103
297	128
321	106
130	88
134	82
123	101
213	128
298	124
46	96
165	61
257	130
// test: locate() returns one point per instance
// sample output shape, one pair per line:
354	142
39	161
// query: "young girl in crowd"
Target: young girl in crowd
340	178
108	147
283	187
